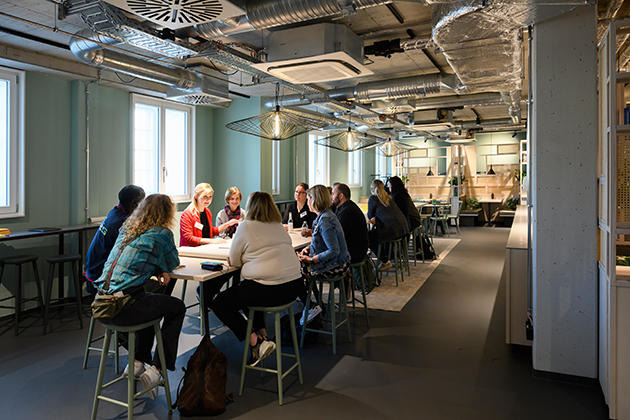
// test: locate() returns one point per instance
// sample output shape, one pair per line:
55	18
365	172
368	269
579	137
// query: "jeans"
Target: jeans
147	307
227	304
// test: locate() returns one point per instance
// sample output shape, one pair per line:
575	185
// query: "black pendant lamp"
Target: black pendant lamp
491	171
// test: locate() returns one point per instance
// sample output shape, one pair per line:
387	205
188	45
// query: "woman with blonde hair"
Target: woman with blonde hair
271	273
232	211
196	222
145	247
390	222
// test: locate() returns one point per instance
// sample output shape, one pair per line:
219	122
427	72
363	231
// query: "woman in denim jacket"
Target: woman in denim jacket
327	256
328	252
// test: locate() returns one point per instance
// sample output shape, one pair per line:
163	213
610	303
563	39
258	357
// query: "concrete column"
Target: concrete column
564	196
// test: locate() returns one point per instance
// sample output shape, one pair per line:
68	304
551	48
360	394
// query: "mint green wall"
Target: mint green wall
235	157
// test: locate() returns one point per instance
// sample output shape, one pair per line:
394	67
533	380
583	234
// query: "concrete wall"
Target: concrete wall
564	193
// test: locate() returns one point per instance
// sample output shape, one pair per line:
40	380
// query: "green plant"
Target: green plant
518	175
457	180
404	179
511	203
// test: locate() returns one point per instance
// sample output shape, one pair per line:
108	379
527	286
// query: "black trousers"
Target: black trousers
227	304
146	307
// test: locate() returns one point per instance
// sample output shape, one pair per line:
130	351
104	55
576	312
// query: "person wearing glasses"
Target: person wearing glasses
299	210
196	222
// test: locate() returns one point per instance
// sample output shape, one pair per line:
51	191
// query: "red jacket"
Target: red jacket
190	235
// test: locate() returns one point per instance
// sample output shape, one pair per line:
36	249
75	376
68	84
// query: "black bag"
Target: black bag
427	247
370	276
205	377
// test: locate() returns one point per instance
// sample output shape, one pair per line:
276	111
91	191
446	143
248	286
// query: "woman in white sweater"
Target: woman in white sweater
262	248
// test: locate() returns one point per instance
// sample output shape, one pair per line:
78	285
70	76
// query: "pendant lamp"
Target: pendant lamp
491	171
390	148
276	125
348	141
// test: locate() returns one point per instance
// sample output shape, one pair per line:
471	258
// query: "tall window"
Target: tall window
275	164
163	155
380	167
355	171
11	143
318	165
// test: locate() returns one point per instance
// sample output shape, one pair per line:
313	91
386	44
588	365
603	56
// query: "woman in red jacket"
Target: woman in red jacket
196	222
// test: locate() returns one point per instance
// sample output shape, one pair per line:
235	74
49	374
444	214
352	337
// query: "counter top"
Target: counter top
518	233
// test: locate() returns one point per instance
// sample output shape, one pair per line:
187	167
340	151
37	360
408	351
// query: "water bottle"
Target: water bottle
304	228
290	223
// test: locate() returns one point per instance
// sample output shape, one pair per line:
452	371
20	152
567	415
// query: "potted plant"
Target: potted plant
455	182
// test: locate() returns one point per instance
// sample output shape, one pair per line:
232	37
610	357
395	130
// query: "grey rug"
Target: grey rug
388	297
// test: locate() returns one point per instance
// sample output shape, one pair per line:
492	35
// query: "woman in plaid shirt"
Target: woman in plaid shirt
145	248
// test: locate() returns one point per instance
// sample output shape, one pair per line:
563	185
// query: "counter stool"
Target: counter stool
415	237
73	259
331	307
92	340
131	381
360	267
276	310
395	254
18	260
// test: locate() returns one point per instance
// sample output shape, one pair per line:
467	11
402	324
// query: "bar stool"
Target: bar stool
92	340
73	259
276	310
331	308
18	260
415	234
360	267
131	381
396	254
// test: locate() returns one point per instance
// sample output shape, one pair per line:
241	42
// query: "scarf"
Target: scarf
236	214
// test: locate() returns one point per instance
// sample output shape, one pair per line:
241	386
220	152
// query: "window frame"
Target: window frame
355	158
275	165
15	157
163	105
315	151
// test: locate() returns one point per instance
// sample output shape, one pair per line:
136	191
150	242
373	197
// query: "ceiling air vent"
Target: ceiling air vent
210	88
175	14
316	53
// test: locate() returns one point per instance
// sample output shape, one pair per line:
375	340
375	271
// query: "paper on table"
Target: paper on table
211	251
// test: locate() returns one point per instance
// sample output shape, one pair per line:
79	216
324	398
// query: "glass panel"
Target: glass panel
175	151
5	177
146	148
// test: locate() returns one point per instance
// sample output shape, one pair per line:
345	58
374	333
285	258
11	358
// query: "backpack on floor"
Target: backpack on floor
201	391
427	248
369	272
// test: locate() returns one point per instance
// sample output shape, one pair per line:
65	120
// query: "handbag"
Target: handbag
105	305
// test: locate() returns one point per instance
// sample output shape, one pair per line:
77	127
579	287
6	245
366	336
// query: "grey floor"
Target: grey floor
443	357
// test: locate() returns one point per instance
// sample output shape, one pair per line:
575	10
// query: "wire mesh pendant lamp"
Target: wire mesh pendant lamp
348	141
275	125
390	148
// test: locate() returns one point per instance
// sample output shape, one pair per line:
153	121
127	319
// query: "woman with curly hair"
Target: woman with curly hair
145	247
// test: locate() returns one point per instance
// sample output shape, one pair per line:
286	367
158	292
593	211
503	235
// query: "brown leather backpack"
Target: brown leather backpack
201	391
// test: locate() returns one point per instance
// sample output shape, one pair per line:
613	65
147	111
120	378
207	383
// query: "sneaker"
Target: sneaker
262	349
149	378
384	266
138	369
312	313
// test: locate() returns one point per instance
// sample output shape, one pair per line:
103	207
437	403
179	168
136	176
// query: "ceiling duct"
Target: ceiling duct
205	90
440	119
179	14
313	54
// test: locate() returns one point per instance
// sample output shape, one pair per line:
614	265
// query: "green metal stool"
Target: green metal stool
360	267
92	340
331	308
276	310
415	234
18	260
73	260
398	256
131	381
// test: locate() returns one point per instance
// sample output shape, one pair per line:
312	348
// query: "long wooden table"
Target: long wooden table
192	257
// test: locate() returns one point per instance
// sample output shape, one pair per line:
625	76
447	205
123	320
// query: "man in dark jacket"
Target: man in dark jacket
352	221
129	198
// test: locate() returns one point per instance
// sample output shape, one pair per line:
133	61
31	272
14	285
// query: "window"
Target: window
11	143
355	172
318	166
275	164
380	167
163	147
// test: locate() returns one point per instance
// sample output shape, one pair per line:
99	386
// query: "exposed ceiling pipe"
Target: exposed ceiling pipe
472	100
389	47
430	84
86	51
513	100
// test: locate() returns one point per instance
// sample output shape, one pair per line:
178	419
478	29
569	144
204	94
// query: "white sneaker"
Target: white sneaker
312	313
138	369
385	266
149	378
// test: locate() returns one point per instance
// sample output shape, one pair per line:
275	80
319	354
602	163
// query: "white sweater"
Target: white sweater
265	253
